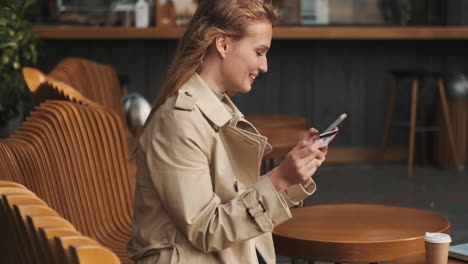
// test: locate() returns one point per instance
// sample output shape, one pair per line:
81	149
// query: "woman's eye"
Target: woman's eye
259	54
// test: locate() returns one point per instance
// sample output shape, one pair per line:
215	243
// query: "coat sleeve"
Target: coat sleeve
295	194
179	162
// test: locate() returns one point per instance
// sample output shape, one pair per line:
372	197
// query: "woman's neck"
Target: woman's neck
212	77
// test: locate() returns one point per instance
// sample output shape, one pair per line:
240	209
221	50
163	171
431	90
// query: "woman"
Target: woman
199	197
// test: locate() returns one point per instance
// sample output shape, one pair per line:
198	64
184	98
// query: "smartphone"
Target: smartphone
326	137
328	134
336	122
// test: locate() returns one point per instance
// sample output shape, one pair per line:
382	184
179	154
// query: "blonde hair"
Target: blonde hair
212	19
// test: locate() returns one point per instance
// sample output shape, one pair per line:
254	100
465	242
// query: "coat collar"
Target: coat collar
217	111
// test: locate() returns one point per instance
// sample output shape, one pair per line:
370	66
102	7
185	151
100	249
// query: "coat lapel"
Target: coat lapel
245	149
244	145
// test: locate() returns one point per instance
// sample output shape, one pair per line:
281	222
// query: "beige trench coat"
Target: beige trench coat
199	197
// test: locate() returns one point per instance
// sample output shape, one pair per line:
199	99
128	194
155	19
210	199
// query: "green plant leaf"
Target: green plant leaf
8	44
5	59
28	4
18	46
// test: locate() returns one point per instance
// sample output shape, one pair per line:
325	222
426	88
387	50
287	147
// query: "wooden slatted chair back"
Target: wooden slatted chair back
10	242
96	81
11	184
29	230
48	234
11	170
44	87
15	240
75	158
65	242
82	81
92	255
26	234
34	222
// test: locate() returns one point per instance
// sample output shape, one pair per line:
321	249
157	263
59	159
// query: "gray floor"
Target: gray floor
436	189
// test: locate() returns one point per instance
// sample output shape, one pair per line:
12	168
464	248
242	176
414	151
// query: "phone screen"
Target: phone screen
328	134
326	137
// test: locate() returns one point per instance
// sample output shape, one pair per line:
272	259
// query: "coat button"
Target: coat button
188	94
236	186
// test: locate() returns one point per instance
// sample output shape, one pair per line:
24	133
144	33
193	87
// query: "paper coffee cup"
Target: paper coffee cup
437	246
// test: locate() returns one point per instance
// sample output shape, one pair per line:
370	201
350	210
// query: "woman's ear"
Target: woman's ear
222	45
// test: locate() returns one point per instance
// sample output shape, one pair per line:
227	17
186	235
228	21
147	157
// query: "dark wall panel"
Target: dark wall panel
315	79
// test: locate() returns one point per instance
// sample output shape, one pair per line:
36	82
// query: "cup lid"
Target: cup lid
437	238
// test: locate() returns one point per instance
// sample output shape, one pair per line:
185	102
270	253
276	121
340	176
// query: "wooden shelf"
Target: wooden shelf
384	33
319	32
91	32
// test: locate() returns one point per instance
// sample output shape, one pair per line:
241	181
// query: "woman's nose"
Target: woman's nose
263	66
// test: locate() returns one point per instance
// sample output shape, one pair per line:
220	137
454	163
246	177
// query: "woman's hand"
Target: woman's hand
300	163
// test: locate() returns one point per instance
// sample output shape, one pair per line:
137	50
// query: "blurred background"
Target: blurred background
328	57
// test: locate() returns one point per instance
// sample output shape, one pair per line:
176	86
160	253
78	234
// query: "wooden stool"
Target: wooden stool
416	77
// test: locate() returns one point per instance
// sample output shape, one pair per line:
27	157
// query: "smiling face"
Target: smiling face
245	58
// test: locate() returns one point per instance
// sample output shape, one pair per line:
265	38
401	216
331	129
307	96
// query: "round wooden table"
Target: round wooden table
356	232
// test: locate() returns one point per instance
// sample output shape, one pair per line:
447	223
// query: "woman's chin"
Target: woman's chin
246	88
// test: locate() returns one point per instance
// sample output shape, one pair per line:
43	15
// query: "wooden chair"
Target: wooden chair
11	196
18	199
11	184
15	190
47	236
21	212
99	82
10	242
83	81
82	78
41	221
30	230
104	162
45	88
38	164
14	207
12	171
75	157
92	255
64	243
